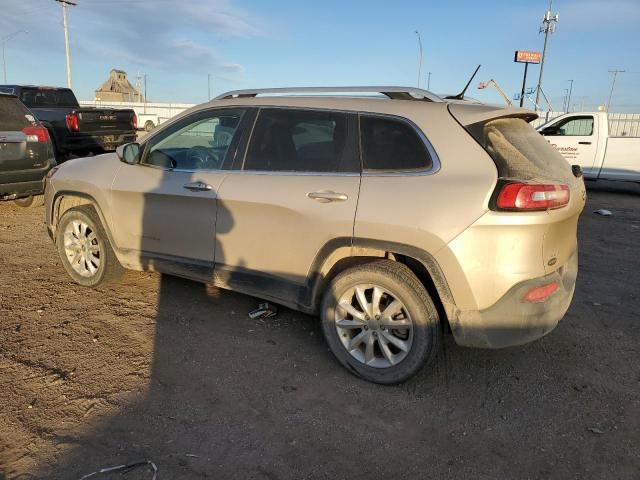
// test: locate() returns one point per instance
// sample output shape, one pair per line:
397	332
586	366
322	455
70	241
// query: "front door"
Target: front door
576	139
166	204
296	190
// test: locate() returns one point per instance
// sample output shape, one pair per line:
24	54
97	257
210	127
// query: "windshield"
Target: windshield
48	97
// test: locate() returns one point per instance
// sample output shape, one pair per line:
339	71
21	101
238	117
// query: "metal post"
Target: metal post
429	81
65	4
524	82
569	99
4	41
208	86
548	26
613	84
420	59
564	100
145	93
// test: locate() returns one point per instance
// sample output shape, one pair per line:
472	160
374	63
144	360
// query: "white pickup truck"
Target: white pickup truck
584	139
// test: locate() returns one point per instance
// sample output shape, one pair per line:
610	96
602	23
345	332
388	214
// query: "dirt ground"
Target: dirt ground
166	369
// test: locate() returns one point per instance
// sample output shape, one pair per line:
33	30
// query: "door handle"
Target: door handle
584	143
326	197
198	186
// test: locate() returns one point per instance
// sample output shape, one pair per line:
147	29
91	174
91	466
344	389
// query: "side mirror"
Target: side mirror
129	153
552	130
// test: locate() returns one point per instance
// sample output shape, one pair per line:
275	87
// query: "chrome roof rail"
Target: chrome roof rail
394	93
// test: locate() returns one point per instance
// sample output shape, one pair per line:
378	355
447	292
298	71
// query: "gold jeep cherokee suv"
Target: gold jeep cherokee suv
392	216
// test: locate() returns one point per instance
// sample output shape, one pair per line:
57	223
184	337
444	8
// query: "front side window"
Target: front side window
389	144
575	127
301	141
199	144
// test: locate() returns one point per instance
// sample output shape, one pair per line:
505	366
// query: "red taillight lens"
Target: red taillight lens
36	134
134	122
540	294
72	122
531	196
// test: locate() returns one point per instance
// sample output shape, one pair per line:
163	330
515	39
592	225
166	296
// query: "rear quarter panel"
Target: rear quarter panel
428	211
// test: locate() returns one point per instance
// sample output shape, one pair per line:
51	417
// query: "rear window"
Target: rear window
389	144
520	152
13	115
48	97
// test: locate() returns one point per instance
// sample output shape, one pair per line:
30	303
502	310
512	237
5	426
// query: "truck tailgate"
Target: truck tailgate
104	121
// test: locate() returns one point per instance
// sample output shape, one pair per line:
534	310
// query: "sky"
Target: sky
180	44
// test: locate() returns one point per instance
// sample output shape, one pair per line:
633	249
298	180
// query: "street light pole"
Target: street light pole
4	41
208	86
429	81
613	84
65	4
420	59
569	99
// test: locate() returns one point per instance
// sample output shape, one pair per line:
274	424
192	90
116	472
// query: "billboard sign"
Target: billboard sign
525	56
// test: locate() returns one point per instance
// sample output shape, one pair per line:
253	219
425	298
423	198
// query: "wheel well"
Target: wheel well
416	266
64	203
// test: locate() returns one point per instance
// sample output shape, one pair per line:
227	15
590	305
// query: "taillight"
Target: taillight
36	134
52	171
134	122
532	196
540	294
72	122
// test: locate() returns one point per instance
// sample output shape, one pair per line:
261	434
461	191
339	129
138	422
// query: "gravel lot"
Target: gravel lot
166	369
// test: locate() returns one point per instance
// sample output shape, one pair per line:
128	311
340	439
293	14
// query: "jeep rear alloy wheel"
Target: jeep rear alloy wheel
380	322
84	248
374	326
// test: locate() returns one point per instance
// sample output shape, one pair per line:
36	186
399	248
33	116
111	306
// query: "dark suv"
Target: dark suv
26	153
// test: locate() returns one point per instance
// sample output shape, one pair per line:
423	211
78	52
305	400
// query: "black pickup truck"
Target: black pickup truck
76	131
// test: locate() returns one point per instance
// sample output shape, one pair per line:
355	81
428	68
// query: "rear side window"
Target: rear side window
520	152
389	144
13	116
48	97
287	140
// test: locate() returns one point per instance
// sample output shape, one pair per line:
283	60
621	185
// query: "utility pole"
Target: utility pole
65	4
4	41
429	81
569	99
548	26
420	59
613	84
145	92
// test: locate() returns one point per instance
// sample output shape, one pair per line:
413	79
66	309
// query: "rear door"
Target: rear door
296	190
576	138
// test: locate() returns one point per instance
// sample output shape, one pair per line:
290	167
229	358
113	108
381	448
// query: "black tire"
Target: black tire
401	281
148	126
109	269
32	201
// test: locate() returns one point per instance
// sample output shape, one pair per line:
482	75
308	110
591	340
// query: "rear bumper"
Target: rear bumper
510	321
12	191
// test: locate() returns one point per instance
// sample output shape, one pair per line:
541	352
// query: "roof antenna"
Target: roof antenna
460	96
